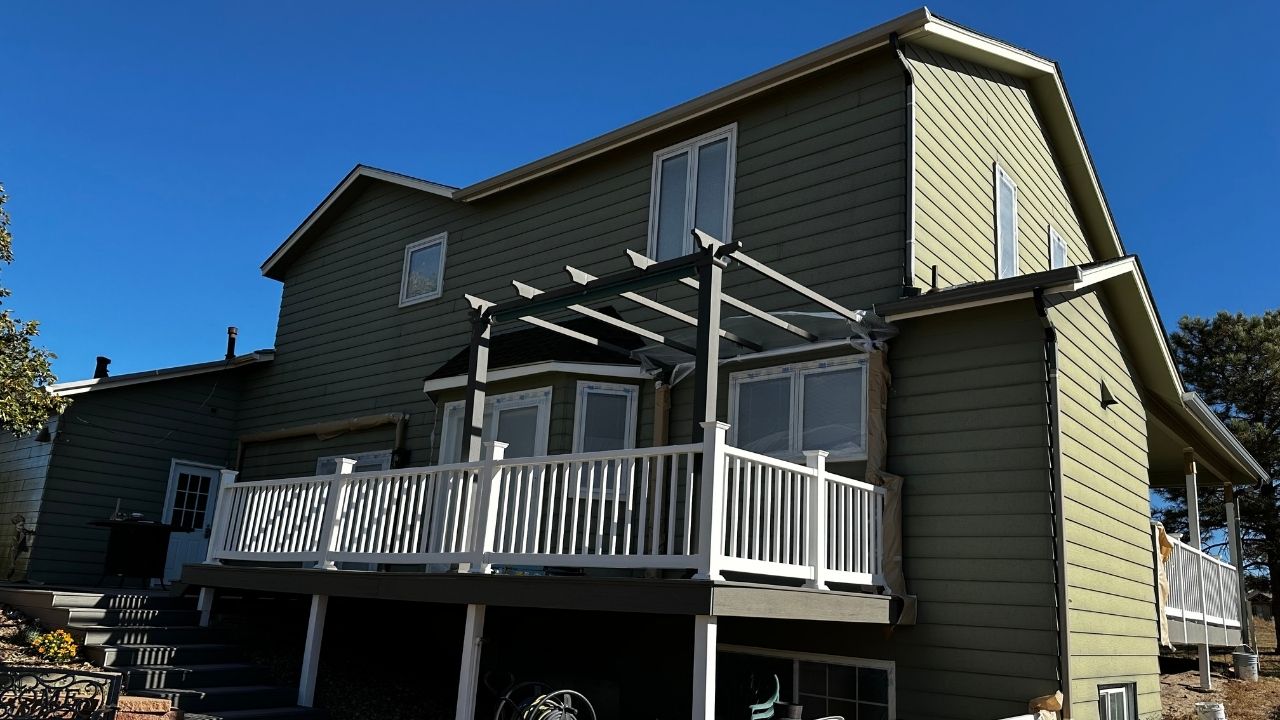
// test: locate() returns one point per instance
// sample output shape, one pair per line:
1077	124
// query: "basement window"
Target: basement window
783	411
520	419
422	277
1117	702
692	188
1006	225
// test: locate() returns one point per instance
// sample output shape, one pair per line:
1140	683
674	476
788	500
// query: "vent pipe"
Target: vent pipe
231	342
100	370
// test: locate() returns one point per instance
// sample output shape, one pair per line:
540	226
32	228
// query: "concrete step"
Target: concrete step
141	634
130	618
149	677
280	713
230	697
132	654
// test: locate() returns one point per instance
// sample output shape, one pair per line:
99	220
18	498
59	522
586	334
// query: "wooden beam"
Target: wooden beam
607	287
531	292
582	278
642	262
760	268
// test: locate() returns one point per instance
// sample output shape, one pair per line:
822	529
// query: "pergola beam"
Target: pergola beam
642	262
582	278
734	250
634	279
528	291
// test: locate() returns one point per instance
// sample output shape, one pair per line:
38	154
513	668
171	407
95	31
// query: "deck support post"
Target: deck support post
469	674
817	459
704	668
477	382
711	502
311	654
1193	531
332	506
204	603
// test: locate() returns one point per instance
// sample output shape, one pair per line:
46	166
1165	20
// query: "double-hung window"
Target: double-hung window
604	417
365	462
783	411
520	419
1057	250
1006	225
692	188
422	277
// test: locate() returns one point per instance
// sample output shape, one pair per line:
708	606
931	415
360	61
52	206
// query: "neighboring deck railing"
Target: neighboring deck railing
1202	588
641	508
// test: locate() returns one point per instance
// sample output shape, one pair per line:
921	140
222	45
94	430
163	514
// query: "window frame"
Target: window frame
1055	242
798	657
441	239
538	397
1127	692
729	132
1002	176
360	457
586	387
797	372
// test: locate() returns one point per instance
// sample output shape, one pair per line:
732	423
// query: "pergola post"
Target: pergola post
704	668
477	380
1237	559
707	356
1193	530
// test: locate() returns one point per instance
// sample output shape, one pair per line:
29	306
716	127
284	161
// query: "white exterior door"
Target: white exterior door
189	508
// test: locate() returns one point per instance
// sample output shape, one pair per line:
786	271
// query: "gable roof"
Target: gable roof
76	387
919	26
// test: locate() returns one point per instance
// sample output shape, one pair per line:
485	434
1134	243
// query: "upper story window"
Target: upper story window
605	417
783	411
365	462
692	188
1006	225
1057	250
423	275
520	419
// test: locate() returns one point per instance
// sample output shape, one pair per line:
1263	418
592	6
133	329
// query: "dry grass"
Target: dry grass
1179	692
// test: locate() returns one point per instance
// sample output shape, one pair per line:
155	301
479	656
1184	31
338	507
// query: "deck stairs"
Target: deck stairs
155	642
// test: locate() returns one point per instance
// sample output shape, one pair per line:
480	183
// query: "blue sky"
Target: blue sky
156	154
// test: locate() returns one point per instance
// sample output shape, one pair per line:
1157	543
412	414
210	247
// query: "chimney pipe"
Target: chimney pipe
100	371
231	342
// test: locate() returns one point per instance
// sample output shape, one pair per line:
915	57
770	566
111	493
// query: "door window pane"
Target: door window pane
712	187
832	411
673	181
605	422
764	415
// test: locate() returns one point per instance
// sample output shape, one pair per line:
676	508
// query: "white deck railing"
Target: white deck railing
1202	588
641	508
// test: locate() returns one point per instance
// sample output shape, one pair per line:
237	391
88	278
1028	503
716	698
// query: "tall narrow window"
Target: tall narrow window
1006	225
422	277
692	188
1057	250
520	419
604	417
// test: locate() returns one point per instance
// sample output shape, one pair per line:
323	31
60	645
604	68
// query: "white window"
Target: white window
783	411
692	188
422	278
604	417
1006	225
826	685
365	462
1116	702
520	419
1057	250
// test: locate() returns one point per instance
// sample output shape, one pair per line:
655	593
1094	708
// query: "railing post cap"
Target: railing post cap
714	425
816	453
495	444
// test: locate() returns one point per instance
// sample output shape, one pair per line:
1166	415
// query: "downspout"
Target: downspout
909	288
1055	481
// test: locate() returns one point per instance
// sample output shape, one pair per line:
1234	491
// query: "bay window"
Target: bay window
785	410
692	188
520	419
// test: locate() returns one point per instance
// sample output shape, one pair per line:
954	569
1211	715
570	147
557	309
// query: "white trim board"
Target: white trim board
626	372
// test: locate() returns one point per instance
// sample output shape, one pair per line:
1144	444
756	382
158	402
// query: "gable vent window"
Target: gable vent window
1057	250
692	188
1006	225
422	278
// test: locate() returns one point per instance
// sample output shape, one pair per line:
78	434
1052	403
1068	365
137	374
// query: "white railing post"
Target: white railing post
221	516
817	459
332	504
486	518
711	502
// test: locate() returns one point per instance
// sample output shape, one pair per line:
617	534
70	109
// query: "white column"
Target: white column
469	674
204	603
817	459
1193	530
221	516
311	653
704	667
332	506
711	508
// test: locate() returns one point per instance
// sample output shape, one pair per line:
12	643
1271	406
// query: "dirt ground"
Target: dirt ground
11	653
1179	692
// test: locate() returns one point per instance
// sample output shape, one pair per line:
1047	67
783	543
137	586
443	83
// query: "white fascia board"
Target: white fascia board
993	53
959	306
1205	415
630	372
77	387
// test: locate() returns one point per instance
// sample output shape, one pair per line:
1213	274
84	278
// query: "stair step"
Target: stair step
123	601
279	713
231	697
141	634
149	677
131	618
131	654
